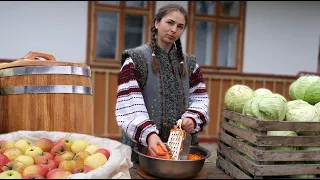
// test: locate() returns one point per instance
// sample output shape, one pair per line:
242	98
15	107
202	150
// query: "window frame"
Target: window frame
93	8
217	19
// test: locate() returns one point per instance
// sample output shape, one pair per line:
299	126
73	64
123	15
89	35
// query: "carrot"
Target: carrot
161	150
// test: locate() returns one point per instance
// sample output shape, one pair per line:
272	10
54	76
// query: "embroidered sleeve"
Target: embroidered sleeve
198	100
131	113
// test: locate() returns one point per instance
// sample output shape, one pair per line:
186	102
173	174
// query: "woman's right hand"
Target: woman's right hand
153	141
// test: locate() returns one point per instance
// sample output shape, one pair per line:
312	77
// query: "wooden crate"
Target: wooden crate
236	144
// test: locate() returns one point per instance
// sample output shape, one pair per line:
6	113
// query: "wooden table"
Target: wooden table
210	168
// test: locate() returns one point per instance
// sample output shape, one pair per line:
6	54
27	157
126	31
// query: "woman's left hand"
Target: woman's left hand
187	125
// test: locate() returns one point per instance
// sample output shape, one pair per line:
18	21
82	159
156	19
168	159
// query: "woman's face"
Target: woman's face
171	27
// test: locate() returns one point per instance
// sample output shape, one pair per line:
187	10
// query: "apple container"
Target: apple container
116	166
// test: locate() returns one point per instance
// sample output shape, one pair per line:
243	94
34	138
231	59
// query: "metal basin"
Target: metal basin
176	169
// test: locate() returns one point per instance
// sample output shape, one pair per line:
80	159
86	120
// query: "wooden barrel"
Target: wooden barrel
45	95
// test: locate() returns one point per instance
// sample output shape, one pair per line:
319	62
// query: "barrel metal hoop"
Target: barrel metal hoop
55	89
27	70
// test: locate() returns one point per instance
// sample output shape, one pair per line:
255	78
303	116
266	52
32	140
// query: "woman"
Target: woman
159	85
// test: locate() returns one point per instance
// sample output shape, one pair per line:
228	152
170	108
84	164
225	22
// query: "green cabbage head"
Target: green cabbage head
237	96
299	110
306	88
261	92
312	94
266	107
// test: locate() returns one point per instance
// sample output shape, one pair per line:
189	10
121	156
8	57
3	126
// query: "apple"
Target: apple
42	157
68	165
4	145
49	164
13	153
45	144
79	145
96	160
23	144
34	169
81	155
66	141
33	151
81	169
58	174
14	165
59	148
92	148
53	170
104	151
68	155
34	176
11	174
3	160
27	160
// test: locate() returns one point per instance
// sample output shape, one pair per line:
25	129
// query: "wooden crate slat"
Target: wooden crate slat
288	140
287	169
264	125
269	155
267	170
240	146
233	170
249	136
236	158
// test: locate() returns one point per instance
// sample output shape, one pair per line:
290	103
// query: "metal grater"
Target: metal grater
177	135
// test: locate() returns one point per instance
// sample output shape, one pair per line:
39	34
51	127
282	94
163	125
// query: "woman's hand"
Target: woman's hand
153	142
187	125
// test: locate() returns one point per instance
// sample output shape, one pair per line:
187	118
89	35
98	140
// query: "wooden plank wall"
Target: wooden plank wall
105	91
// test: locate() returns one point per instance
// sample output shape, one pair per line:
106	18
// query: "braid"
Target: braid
180	57
153	44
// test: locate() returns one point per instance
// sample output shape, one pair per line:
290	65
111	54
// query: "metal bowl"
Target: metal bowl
176	169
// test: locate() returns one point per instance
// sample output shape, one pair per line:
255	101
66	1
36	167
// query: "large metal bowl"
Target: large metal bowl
176	169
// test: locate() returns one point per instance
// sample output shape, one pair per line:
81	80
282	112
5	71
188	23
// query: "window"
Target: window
216	34
114	26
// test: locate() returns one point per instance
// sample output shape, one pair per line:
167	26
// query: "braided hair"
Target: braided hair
154	37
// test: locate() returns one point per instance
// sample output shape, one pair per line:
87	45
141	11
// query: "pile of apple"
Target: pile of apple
46	159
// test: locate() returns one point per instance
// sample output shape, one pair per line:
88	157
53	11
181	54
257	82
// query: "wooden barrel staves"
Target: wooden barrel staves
45	95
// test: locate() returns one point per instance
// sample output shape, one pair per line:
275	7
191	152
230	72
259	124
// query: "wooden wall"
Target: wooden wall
105	91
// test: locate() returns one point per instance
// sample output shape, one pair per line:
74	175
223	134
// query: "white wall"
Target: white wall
280	37
58	28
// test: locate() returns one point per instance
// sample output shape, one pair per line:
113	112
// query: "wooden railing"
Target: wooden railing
217	83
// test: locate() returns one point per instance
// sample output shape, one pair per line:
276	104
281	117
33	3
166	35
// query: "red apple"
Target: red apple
58	174
66	141
49	165
42	157
59	148
3	160
104	151
14	165
34	176
64	156
45	144
82	169
34	169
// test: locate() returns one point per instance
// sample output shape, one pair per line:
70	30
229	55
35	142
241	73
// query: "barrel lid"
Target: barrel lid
31	59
